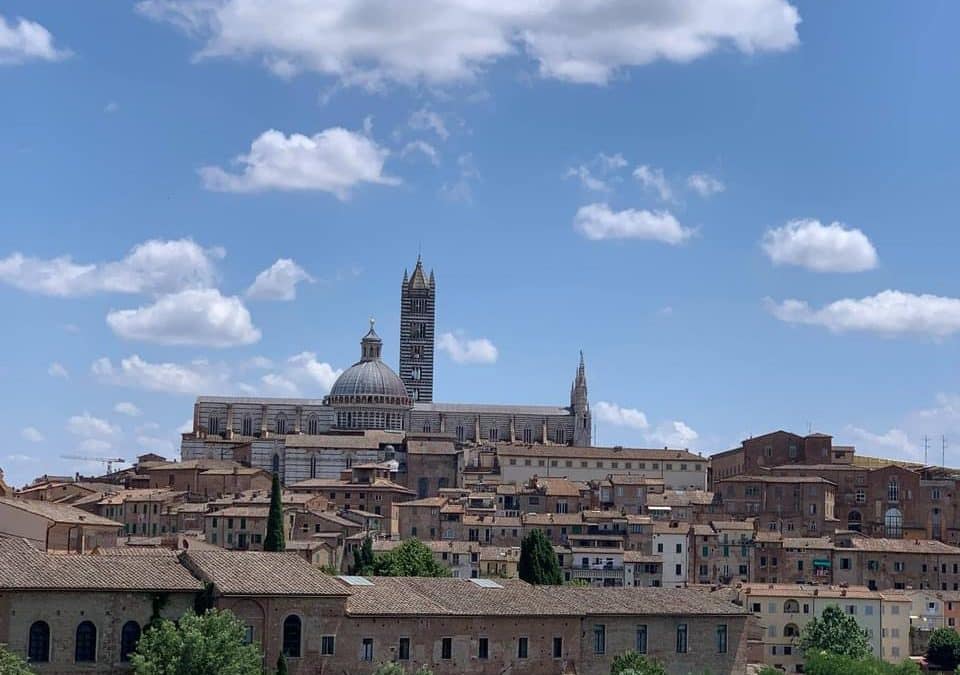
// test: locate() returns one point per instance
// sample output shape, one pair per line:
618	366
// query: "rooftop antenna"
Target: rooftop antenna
926	446
943	451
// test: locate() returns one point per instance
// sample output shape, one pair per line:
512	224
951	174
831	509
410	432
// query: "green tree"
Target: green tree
412	558
944	648
837	633
281	665
397	669
825	663
632	663
538	561
197	645
275	540
11	664
363	558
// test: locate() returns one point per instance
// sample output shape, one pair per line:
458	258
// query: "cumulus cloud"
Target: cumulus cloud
894	442
197	377
24	40
653	179
675	434
160	446
88	426
279	281
32	434
822	248
423	148
151	267
372	42
428	120
58	370
889	313
597	174
461	349
704	184
321	373
191	317
461	189
621	417
335	160
598	221
127	408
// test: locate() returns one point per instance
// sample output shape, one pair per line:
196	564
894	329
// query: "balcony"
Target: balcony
596	572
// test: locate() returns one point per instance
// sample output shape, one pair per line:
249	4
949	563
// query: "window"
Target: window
461	433
281	423
403	650
313	425
276	463
129	636
791	606
560	436
791	631
291	636
483	648
366	650
641	646
893	523
893	490
682	638
528	435
38	649
86	646
599	639
722	639
493	434
328	645
246	426
523	647
558	647
213	425
248	635
861	496
446	648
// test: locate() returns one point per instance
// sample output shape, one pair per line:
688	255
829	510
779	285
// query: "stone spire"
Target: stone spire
579	401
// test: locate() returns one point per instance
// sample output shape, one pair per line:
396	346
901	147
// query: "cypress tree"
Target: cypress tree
275	540
539	564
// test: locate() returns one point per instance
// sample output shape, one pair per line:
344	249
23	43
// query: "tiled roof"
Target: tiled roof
258	573
58	513
24	568
902	546
568	451
776	479
136	551
644	601
639	557
809	591
241	512
426	501
326	483
418	447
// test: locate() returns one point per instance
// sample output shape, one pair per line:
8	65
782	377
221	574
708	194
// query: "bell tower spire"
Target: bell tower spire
418	295
580	405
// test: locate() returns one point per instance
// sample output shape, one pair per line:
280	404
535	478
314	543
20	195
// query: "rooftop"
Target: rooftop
58	513
258	573
568	451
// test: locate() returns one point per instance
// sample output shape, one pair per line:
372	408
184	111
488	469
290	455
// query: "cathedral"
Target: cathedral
372	410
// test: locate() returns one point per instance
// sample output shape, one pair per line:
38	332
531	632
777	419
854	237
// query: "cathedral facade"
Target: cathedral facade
371	410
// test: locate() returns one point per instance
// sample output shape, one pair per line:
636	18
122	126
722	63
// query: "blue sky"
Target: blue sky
158	157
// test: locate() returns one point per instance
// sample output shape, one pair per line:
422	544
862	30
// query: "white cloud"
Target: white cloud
58	370
191	317
97	445
621	417
821	248
373	42
151	267
320	373
428	120
889	313
335	160
279	281
88	426
160	446
32	434
597	221
111	107
704	184
675	434
198	377
467	350
127	408
422	147
27	41
652	178
597	173
894	442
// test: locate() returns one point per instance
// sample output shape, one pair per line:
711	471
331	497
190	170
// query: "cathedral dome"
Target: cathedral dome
369	394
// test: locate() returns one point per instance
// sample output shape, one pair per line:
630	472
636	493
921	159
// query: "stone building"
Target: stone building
56	527
801	505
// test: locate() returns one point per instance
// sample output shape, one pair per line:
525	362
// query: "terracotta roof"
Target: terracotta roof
325	483
136	551
643	601
59	513
639	557
807	542
809	591
23	567
258	573
426	501
901	546
570	452
665	527
241	512
417	447
776	479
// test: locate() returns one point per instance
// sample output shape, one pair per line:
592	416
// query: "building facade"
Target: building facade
418	323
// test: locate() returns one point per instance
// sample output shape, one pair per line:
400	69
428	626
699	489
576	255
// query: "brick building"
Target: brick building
800	505
56	527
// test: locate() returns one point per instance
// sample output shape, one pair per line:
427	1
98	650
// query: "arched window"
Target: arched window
313	425
893	490
291	636
528	435
893	523
313	466
213	425
86	647
493	434
38	649
791	607
129	636
855	521
791	630
461	433
281	423
276	463
560	436
246	427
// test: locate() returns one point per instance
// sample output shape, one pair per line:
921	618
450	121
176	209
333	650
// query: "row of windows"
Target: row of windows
370	419
85	642
600	464
681	643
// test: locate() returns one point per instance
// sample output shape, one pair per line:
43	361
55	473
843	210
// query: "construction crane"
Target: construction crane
109	461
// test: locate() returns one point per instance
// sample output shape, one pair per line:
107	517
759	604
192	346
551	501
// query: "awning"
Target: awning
821	563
